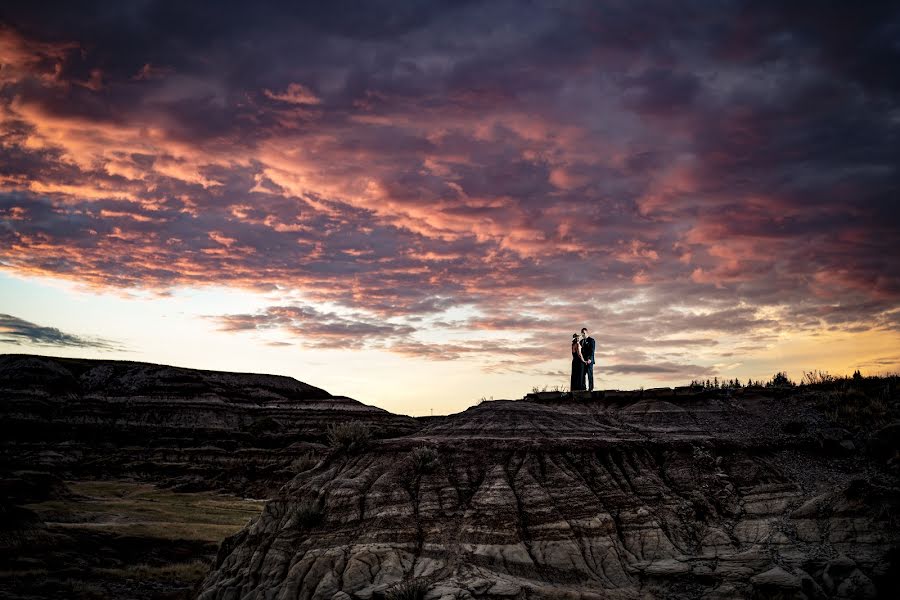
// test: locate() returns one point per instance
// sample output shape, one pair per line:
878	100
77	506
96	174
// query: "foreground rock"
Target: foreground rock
710	495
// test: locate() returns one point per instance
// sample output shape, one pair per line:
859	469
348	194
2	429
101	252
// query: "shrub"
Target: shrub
263	426
547	388
304	462
310	513
815	376
424	459
413	589
350	437
780	379
850	407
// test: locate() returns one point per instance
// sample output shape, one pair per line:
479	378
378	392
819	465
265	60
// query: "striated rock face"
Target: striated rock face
753	493
82	418
710	495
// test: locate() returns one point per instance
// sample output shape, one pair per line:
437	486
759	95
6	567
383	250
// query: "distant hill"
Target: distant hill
184	427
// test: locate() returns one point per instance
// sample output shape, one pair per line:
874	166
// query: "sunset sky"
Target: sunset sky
417	203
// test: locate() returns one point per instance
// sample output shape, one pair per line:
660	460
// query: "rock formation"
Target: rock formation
749	493
195	429
745	494
126	422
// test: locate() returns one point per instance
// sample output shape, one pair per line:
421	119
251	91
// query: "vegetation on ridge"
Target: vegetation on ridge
350	437
413	589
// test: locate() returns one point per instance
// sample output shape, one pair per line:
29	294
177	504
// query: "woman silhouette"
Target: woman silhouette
577	366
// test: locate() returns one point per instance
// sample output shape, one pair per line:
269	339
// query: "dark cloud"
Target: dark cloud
315	328
18	331
661	91
659	171
667	368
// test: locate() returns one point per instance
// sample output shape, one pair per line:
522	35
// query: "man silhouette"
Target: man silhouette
588	345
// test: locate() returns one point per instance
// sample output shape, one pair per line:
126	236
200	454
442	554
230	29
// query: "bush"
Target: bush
310	513
780	379
350	437
815	377
413	589
424	459
547	388
263	426
304	462
851	407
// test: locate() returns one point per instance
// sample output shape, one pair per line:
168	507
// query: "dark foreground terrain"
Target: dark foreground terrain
751	493
120	479
118	539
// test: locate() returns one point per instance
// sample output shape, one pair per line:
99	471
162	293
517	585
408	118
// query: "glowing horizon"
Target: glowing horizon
416	205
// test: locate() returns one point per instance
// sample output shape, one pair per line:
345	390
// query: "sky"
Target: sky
416	204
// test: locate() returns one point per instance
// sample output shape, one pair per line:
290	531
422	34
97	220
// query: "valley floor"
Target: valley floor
122	539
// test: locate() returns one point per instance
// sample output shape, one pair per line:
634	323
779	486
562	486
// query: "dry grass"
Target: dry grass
548	388
23	573
857	406
84	589
145	510
413	589
194	570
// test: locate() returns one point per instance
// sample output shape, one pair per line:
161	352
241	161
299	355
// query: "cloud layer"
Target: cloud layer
14	330
489	172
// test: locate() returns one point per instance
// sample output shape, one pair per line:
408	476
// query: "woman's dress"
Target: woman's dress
577	371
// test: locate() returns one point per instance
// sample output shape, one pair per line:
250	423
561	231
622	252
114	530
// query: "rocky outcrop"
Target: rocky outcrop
243	432
708	495
750	493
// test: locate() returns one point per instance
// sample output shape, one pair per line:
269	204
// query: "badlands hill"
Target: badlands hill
750	493
187	428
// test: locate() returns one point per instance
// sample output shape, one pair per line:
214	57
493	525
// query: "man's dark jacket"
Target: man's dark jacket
587	349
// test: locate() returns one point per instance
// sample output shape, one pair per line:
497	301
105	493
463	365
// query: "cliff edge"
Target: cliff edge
752	493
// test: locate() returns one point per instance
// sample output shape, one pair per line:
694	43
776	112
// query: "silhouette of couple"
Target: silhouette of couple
582	361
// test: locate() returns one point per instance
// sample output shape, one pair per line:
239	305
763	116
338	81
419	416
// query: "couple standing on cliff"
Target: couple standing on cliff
582	361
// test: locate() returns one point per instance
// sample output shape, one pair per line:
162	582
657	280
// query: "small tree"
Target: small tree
424	459
780	379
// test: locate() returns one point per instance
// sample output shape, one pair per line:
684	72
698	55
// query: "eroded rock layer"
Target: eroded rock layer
242	432
721	495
